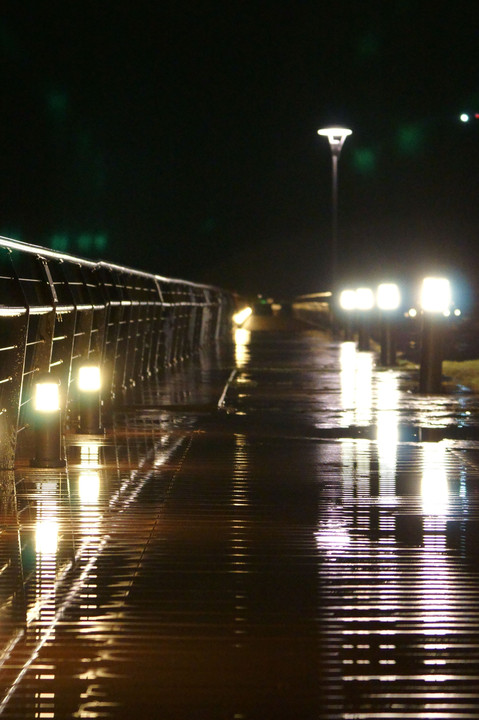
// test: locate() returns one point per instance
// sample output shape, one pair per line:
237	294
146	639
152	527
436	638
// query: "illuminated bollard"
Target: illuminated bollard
347	303
435	302
388	301
364	305
89	384
47	423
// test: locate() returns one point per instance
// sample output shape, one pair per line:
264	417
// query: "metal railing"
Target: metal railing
57	309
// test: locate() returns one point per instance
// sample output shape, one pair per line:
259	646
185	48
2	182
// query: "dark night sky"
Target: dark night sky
180	137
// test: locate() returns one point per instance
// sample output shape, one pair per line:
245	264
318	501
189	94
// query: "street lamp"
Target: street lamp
336	137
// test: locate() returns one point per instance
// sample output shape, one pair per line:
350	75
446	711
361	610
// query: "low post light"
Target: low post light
364	304
89	386
47	423
347	303
435	305
388	300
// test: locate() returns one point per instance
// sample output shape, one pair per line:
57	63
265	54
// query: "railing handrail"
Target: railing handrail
58	309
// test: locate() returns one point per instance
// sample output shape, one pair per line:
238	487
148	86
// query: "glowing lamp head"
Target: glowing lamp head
336	137
347	300
364	298
436	295
46	397
89	379
388	296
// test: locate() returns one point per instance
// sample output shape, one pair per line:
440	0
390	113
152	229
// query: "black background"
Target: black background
181	137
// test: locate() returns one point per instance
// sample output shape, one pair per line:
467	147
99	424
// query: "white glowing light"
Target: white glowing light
242	315
412	312
364	298
89	378
388	296
335	135
47	396
347	300
464	117
436	295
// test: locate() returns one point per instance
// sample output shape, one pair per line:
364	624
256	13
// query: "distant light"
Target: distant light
336	136
457	312
436	295
388	296
464	117
412	312
89	379
364	298
347	299
242	315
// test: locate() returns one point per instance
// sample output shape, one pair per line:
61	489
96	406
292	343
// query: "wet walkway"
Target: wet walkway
283	530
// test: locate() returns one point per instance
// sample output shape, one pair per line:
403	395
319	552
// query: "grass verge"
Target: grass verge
463	373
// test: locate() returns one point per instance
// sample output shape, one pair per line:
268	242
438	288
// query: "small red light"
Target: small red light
476	115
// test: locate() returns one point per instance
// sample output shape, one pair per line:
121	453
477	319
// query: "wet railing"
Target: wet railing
57	310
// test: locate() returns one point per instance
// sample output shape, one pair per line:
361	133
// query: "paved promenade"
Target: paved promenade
280	530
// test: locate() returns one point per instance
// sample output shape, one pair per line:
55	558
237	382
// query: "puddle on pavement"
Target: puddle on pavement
183	567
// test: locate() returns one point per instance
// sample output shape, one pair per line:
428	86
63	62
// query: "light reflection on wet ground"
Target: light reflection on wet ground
309	550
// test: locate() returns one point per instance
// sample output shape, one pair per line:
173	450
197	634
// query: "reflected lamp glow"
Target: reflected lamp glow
89	378
434	485
364	298
388	296
90	455
347	300
46	537
89	486
46	398
436	295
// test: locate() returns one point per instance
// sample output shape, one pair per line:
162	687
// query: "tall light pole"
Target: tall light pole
336	137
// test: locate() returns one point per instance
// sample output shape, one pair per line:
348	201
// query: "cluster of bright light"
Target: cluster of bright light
46	396
436	295
242	315
465	117
89	378
388	297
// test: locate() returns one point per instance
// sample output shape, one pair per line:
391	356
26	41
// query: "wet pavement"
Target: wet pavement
281	530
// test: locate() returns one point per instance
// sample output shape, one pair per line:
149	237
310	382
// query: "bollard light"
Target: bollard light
436	295
347	300
364	303
46	396
364	298
47	423
89	379
435	304
242	315
89	385
388	296
388	300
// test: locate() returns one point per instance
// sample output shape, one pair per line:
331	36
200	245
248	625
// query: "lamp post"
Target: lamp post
336	137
